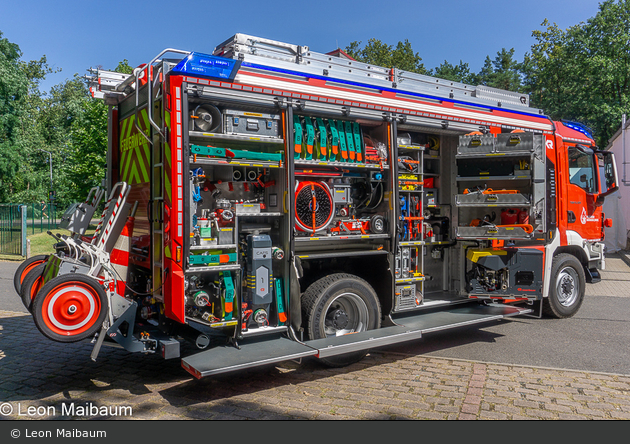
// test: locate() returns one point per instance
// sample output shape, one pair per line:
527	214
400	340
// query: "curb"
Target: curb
623	255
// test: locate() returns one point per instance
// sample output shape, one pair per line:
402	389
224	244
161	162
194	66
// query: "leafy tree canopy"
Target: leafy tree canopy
378	53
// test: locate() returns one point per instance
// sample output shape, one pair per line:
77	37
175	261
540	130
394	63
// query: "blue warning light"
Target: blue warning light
579	127
204	65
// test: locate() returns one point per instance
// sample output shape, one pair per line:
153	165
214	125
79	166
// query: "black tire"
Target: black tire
377	224
340	304
70	307
25	267
567	287
32	284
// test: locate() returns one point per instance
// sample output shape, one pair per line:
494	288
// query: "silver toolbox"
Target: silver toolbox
407	297
517	142
341	194
430	197
479	199
224	235
492	232
250	123
476	144
247	208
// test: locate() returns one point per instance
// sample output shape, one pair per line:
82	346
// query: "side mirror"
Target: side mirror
608	176
600	200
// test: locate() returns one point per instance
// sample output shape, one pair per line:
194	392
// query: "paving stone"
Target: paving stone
383	386
493	415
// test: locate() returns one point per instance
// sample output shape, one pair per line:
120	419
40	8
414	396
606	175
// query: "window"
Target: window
581	170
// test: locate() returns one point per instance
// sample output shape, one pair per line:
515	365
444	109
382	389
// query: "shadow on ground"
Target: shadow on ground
40	372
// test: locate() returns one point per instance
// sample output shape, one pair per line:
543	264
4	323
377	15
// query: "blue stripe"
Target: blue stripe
365	85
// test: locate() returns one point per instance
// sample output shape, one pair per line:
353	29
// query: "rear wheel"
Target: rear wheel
32	284
337	305
25	267
567	287
70	308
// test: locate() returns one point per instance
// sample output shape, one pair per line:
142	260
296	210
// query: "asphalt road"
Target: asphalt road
596	339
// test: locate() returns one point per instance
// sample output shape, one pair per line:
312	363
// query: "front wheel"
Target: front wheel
337	305
70	307
567	287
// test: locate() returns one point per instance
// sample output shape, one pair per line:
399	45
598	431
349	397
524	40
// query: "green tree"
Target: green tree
87	137
89	149
503	72
381	54
549	71
124	67
64	111
20	124
583	73
457	73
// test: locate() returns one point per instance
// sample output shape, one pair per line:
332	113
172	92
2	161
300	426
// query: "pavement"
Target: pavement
39	379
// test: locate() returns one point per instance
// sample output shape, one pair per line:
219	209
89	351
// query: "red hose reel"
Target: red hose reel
314	206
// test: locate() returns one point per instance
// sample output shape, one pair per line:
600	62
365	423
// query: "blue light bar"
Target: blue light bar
204	65
579	127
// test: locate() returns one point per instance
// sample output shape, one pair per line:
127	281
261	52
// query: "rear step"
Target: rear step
267	351
251	354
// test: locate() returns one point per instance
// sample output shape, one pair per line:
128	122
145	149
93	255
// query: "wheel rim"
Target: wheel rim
567	286
379	225
71	309
346	313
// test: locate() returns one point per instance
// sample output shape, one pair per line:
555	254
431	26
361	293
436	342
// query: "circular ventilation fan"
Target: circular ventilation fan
314	207
205	118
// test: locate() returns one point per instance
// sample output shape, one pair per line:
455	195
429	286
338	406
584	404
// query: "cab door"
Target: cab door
584	215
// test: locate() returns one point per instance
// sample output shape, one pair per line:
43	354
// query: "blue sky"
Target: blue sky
76	35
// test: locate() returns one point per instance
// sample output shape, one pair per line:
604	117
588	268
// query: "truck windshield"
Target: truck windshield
581	170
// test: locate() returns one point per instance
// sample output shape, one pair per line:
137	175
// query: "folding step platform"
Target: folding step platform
264	350
252	353
413	326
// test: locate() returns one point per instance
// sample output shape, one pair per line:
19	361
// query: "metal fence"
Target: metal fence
13	229
41	217
20	220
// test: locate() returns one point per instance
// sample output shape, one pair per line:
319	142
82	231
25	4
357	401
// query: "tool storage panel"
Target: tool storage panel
341	181
235	276
500	179
423	228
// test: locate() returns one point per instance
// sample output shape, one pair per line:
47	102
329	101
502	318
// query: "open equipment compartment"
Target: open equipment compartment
235	278
289	204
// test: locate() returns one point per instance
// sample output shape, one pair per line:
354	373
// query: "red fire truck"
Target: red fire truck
268	203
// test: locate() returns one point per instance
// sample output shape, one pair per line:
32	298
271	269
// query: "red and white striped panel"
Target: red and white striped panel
119	257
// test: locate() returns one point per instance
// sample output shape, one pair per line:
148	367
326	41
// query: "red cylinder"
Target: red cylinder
509	216
523	217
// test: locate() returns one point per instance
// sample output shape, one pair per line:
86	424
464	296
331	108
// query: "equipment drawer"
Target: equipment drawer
491	199
492	232
242	122
476	144
514	143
